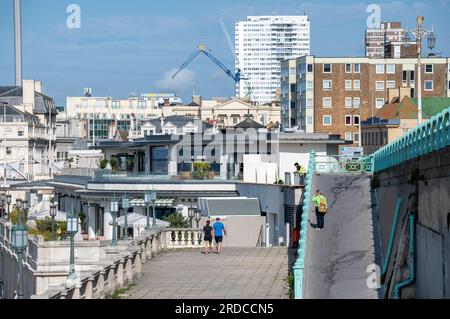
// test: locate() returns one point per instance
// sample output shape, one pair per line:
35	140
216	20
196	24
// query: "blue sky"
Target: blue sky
132	46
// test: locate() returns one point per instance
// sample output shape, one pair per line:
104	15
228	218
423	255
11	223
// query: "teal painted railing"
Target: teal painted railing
424	139
299	265
342	164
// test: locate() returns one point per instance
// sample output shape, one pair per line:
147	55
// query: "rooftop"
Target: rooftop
407	109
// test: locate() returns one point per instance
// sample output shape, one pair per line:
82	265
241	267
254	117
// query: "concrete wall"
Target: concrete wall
433	229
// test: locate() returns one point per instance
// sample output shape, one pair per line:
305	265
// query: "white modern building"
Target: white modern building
262	42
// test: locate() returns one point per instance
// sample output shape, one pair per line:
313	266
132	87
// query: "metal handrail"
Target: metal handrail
299	266
431	136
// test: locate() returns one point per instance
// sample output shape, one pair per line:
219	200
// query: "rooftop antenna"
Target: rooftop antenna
18	41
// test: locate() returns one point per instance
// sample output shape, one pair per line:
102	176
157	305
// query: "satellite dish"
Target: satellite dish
87	92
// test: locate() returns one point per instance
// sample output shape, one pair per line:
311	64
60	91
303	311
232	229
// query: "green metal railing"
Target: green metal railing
299	265
342	164
431	136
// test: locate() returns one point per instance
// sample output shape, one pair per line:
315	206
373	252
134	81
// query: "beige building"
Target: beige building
108	115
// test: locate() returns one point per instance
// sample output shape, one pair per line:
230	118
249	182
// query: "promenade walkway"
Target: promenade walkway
253	273
338	256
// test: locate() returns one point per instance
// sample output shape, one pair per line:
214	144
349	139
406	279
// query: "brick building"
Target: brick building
333	94
377	39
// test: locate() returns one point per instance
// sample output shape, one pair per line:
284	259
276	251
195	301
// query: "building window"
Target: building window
327	85
309	120
327	120
380	85
357	85
356	102
309	103
348	68
405	78
310	68
390	68
292	71
348	102
327	68
412	77
379	103
235	120
142	105
8	151
348	120
293	88
348	136
327	102
293	122
390	84
429	85
20	133
348	85
429	68
356	138
357	68
115	105
380	68
356	119
292	105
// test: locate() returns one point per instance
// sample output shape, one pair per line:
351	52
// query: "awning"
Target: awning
160	202
140	221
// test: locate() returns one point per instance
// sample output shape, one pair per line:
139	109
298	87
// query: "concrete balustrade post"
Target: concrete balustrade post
111	279
143	252
154	246
101	282
120	271
76	291
129	268
88	294
138	263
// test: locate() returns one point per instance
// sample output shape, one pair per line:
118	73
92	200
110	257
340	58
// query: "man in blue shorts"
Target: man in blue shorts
219	231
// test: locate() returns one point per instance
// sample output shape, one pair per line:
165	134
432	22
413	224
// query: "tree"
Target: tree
176	220
114	164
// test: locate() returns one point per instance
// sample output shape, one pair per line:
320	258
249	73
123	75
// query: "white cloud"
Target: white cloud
182	82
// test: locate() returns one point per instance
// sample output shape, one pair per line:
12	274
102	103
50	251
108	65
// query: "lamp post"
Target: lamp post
8	203
3	204
191	213
72	229
113	209
150	198
419	33
19	205
198	217
20	242
53	209
125	207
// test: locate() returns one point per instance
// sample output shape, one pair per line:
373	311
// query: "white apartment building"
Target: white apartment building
27	131
262	42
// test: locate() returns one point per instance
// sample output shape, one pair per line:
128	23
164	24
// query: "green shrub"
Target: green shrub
14	216
114	164
202	170
103	163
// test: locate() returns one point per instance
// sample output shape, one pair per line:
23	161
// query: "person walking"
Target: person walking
321	205
301	171
207	231
219	232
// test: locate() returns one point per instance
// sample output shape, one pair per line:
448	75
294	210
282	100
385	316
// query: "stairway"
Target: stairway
338	257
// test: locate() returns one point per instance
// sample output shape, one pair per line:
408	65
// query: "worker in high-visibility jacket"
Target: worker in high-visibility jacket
301	171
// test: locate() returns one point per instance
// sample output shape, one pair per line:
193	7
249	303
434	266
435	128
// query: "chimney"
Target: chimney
197	99
18	41
28	89
38	86
166	102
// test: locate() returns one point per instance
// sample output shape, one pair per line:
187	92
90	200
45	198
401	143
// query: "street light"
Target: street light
72	229
150	197
191	213
20	243
8	203
19	205
198	217
114	209
53	208
125	207
3	203
419	33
